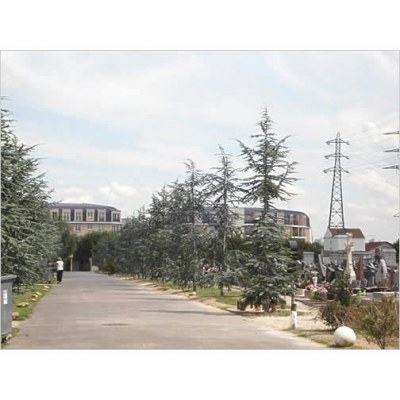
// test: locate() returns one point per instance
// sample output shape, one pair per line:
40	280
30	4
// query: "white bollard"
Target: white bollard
293	319
293	316
344	336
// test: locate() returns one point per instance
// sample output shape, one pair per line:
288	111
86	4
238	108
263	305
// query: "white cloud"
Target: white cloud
117	189
378	186
75	84
72	194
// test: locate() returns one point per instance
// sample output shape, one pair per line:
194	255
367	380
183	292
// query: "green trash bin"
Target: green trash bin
6	305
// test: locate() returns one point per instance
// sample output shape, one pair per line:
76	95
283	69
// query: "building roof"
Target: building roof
253	209
83	206
356	233
373	245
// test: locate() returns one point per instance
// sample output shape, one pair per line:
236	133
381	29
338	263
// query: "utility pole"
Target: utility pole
336	216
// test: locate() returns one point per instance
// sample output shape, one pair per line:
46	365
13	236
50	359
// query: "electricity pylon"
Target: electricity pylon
336	215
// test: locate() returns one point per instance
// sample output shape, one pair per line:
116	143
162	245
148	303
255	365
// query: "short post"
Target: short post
293	314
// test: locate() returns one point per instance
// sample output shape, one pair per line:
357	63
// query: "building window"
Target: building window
90	228
102	216
115	216
54	215
66	215
101	228
77	227
78	215
115	228
90	215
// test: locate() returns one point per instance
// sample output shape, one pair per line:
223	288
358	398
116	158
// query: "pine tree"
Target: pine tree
223	189
191	233
28	238
132	246
267	271
270	170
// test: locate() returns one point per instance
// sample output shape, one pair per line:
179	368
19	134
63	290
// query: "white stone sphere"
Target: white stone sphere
344	336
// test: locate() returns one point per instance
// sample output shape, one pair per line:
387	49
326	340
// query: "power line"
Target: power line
395	150
375	127
363	145
366	155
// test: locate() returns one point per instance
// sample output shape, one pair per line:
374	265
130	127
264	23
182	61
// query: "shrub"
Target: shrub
342	290
110	267
378	321
334	314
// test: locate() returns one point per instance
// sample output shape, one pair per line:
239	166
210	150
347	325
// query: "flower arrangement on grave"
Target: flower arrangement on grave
320	292
309	287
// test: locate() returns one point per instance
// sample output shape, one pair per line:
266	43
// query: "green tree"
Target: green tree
68	240
28	237
222	187
105	252
85	248
270	171
133	251
159	238
303	246
268	271
190	232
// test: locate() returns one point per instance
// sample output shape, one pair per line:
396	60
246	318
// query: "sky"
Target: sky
114	127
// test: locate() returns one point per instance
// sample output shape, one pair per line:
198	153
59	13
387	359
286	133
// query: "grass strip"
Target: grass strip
24	302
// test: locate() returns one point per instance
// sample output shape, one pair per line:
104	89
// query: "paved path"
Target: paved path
95	311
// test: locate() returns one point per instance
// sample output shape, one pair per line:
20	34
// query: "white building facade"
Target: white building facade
335	239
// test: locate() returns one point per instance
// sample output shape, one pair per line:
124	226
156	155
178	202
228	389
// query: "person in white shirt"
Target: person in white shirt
60	269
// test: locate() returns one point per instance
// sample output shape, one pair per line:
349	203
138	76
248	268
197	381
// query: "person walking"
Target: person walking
60	269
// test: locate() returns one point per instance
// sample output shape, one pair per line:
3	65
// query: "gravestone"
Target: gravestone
308	257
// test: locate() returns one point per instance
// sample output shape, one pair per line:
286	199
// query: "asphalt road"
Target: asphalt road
95	311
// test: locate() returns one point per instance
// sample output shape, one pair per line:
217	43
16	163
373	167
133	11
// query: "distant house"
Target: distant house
84	218
335	239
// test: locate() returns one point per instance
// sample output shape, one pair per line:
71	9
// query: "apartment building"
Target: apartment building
84	218
296	224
